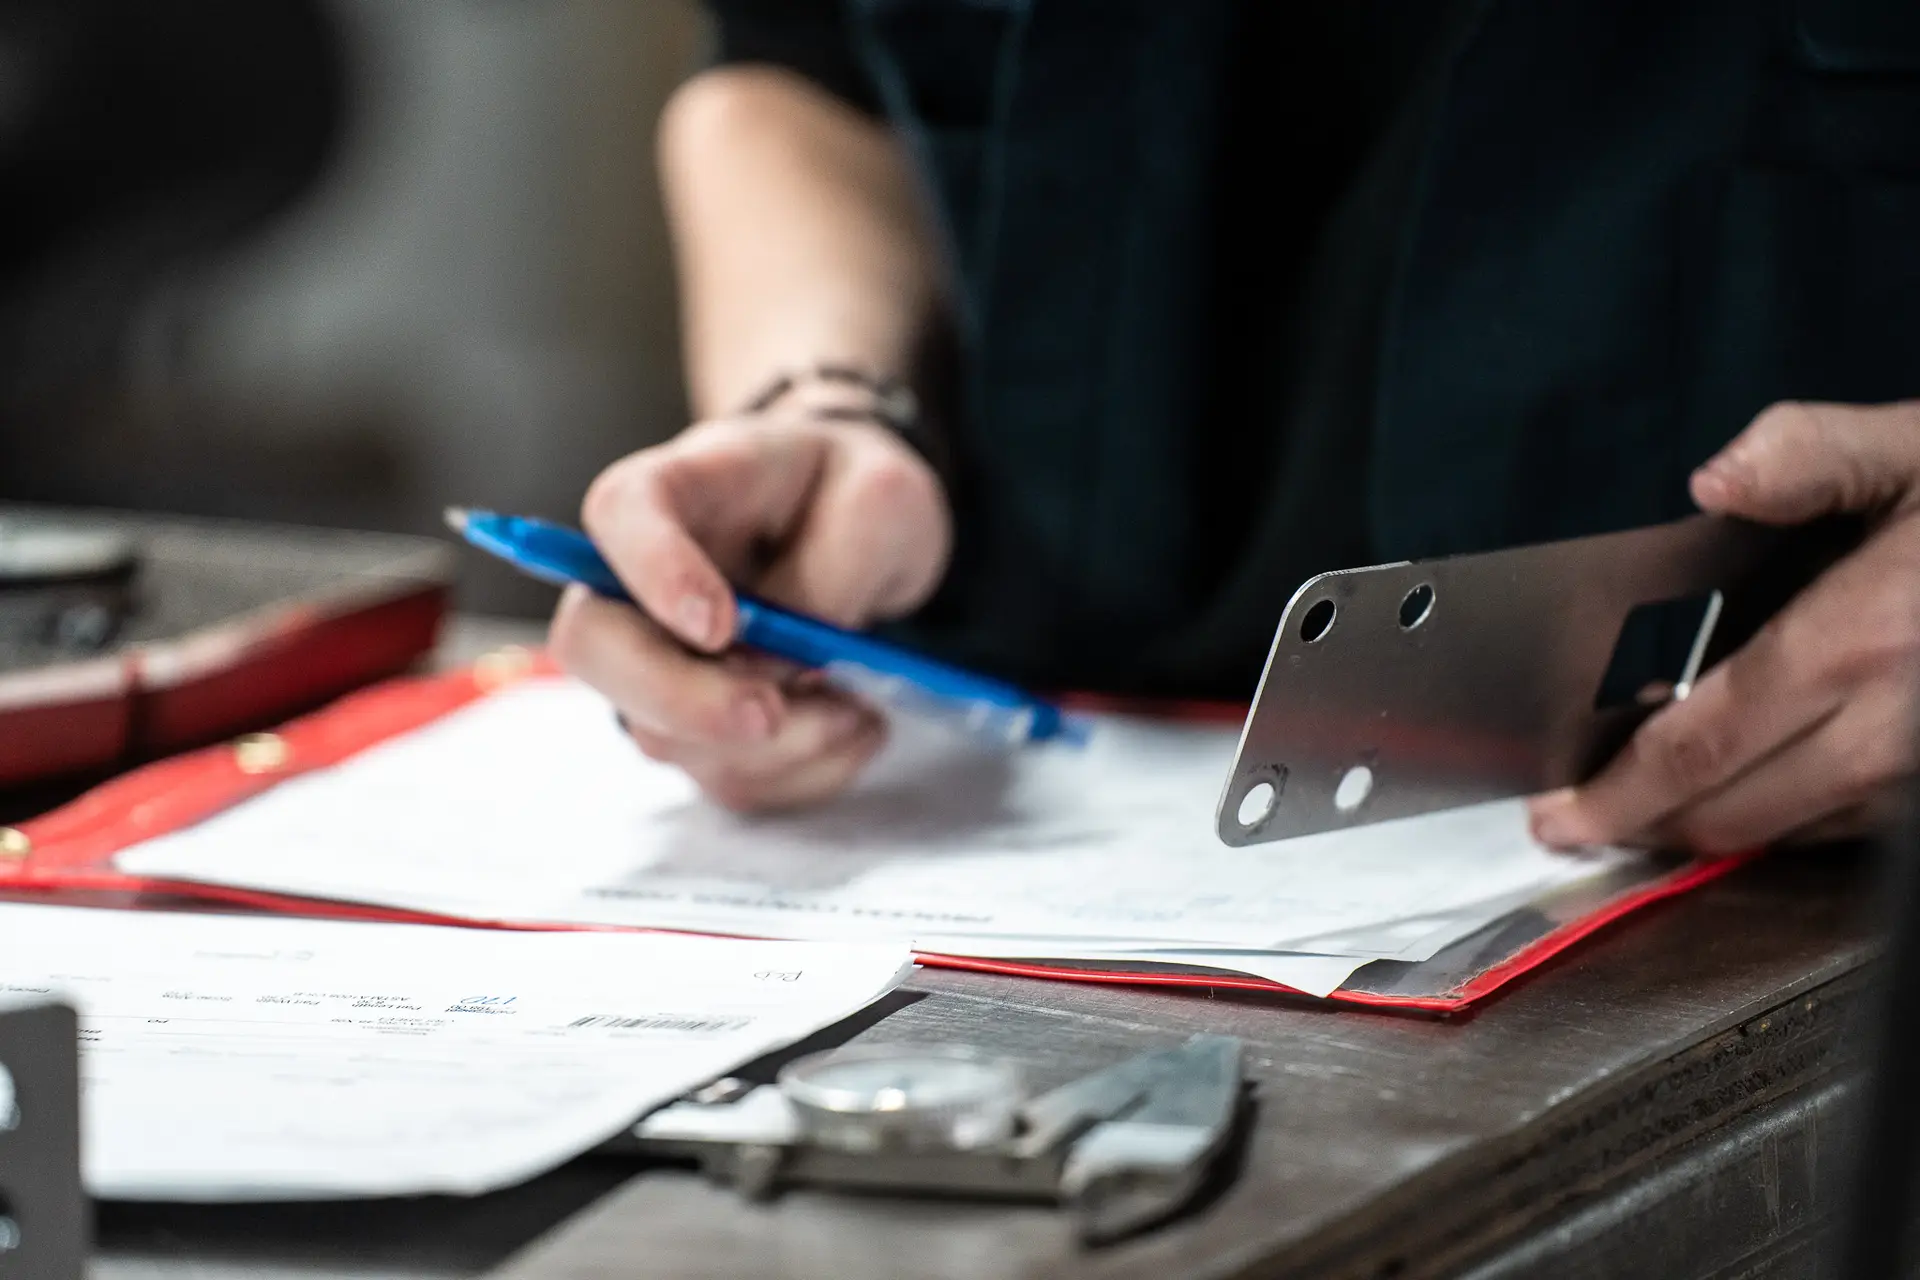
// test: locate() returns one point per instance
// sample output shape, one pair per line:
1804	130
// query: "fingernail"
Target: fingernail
1709	490
753	718
1726	474
694	616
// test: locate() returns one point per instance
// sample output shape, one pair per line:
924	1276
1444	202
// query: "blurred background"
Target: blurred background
338	262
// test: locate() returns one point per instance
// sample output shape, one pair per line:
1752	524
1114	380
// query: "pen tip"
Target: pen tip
456	518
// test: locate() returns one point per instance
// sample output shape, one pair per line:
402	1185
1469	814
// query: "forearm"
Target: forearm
799	231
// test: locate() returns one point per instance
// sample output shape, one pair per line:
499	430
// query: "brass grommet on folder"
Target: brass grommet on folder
502	666
260	752
14	844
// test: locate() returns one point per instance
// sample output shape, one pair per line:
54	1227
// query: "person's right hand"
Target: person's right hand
838	519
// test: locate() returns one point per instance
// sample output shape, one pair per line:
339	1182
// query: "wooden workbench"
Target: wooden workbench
1671	1099
1668	1100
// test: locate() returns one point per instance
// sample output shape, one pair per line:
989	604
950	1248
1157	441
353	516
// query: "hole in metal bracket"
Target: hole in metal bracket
1318	621
1416	606
1355	786
1257	805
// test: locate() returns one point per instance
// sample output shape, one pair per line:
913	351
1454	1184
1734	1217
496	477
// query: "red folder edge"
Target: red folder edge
72	847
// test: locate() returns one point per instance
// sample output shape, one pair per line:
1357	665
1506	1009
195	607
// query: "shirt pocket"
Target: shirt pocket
1857	37
1842	93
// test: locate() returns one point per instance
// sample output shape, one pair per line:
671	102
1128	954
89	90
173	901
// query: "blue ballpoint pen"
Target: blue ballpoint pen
872	668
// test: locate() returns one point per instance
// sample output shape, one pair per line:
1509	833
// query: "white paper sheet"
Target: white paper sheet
532	806
243	1058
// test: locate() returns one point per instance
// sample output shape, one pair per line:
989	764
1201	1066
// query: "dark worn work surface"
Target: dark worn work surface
1382	1146
1662	1092
1666	1100
431	1236
1668	1092
1753	1199
1668	1077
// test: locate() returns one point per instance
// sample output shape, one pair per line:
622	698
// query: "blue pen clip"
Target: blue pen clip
980	706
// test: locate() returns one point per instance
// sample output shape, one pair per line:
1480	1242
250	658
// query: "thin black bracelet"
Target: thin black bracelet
894	406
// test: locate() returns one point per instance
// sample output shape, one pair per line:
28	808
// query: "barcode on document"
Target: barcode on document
660	1022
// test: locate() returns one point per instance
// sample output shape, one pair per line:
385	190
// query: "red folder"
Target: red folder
242	624
72	849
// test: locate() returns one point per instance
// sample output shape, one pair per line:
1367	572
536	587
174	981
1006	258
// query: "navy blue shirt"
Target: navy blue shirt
1253	290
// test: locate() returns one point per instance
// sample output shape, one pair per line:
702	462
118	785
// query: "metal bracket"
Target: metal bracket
44	1220
1426	685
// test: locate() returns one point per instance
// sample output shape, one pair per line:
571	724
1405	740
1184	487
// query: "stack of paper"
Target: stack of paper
532	806
246	1058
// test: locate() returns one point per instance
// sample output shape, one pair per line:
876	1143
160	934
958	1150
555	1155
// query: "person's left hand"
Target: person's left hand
1808	730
